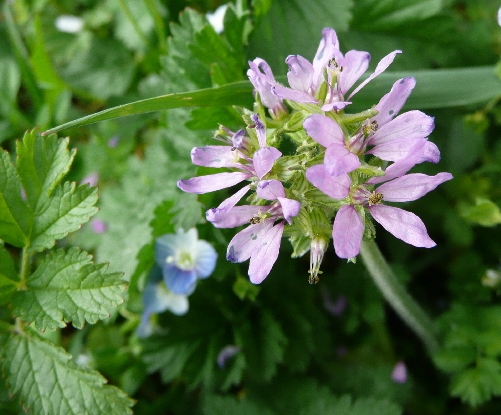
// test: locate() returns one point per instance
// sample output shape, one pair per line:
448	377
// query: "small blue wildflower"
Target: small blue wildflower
183	259
157	298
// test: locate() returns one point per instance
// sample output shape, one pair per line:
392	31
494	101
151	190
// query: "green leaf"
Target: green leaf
8	276
388	14
42	164
104	69
7	267
434	89
66	287
484	212
477	385
15	215
264	333
65	211
46	381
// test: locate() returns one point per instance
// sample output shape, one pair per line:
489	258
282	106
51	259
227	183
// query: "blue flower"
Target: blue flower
183	259
157	298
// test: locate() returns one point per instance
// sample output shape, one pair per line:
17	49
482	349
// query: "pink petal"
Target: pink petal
347	232
400	167
292	94
264	159
381	67
326	51
396	149
391	104
270	189
399	373
265	254
236	216
262	78
324	130
231	201
403	225
354	64
411	186
431	153
215	156
336	106
300	73
339	160
212	182
410	124
337	187
290	208
243	243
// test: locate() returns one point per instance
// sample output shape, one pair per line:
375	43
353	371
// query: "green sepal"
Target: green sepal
300	245
66	287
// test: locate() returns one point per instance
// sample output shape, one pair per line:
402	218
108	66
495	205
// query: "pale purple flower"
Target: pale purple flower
499	16
91	179
342	71
261	77
238	156
260	241
98	226
399	373
318	246
113	141
349	225
226	353
388	138
184	259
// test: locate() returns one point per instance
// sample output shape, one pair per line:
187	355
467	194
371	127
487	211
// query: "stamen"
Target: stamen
375	198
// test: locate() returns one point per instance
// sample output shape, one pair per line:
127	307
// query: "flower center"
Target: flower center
183	260
375	198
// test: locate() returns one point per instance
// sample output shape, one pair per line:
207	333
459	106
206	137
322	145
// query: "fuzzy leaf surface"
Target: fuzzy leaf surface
46	381
67	209
66	287
42	163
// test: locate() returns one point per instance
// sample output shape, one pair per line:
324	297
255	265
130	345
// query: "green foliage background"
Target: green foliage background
294	355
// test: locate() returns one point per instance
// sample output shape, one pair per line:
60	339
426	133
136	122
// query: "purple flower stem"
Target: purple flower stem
395	293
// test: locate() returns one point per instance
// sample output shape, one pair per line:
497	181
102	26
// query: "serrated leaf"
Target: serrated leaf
42	163
66	287
15	215
479	384
46	381
65	211
265	343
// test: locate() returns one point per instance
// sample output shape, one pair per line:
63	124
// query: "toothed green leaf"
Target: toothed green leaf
66	287
46	381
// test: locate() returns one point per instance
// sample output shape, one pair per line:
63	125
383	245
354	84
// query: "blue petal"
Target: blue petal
167	245
179	281
205	259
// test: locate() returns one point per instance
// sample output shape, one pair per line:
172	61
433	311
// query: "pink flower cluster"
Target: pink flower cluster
359	162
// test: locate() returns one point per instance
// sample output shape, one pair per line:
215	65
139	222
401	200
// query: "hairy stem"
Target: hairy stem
404	305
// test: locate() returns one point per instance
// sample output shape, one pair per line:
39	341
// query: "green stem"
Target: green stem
25	268
394	292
